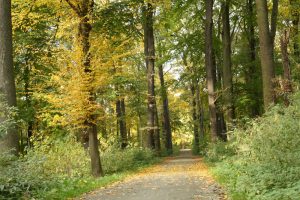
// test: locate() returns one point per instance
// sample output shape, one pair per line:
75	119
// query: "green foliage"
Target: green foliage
266	164
115	160
7	116
219	151
60	168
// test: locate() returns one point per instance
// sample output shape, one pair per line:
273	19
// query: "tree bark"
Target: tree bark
166	113
7	83
252	79
157	133
209	69
200	113
295	28
84	28
227	73
28	102
195	120
266	38
287	86
123	129
149	50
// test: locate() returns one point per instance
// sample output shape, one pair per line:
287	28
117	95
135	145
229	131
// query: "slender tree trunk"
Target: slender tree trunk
266	38
195	119
150	63
200	114
7	83
28	102
295	34
296	25
84	28
287	86
123	129
209	69
157	133
140	135
227	73
166	114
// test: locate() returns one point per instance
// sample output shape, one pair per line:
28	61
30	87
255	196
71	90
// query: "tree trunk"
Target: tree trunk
252	79
140	135
149	50
200	113
227	74
84	28
157	133
295	29
166	114
123	129
266	38
7	83
94	150
195	119
28	102
209	69
287	86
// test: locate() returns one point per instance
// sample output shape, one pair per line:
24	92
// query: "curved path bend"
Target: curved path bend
184	177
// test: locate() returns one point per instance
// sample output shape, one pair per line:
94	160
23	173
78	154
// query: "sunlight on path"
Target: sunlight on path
184	177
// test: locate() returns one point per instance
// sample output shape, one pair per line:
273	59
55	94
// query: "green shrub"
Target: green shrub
61	166
7	116
266	165
116	160
219	151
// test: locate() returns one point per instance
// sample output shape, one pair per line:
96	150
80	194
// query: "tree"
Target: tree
227	74
295	33
121	121
83	11
252	75
149	50
7	83
266	42
210	80
166	113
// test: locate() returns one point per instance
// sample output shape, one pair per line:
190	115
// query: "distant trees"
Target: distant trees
7	82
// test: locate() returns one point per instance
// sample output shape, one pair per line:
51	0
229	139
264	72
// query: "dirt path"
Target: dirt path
184	177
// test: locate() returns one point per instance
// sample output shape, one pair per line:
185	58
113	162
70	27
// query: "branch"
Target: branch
76	9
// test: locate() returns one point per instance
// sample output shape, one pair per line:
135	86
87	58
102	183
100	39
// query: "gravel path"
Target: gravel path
184	177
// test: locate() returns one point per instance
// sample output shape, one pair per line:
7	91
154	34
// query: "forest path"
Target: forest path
184	177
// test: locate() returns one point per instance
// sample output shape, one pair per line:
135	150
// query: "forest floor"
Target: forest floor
184	177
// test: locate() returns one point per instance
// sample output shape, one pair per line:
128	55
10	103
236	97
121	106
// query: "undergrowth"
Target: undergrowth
60	169
262	159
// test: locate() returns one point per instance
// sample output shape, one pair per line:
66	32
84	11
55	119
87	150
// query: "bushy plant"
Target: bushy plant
267	161
7	116
44	167
62	165
219	151
116	160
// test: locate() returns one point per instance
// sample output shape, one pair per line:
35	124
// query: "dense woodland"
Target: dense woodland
94	87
